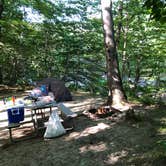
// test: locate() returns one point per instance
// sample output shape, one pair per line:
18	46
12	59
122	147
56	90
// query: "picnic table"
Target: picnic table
38	113
39	109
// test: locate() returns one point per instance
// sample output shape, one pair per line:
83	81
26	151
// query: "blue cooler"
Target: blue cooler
15	114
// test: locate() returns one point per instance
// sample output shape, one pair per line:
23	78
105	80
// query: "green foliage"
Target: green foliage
157	8
68	43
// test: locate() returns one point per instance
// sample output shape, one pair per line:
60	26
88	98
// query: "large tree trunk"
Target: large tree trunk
117	95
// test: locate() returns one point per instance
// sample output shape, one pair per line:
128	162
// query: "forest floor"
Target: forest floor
98	142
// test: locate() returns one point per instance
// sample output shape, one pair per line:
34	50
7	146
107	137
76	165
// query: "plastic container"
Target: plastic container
15	114
43	88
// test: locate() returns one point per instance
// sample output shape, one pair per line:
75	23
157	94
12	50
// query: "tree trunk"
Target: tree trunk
125	58
137	72
117	95
1	76
118	35
1	11
1	7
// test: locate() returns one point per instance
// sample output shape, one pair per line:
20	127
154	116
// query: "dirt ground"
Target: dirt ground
140	140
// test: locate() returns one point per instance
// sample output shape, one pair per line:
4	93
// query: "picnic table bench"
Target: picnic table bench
16	125
67	116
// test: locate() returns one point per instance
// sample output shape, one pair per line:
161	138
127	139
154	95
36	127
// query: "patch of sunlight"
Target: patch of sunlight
162	130
88	131
95	148
113	158
120	106
18	135
85	102
115	79
163	120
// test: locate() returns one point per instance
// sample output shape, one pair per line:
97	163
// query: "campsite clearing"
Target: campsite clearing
99	142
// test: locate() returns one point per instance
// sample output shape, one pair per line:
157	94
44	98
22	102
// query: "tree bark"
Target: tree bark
1	76
120	10
137	71
117	95
1	11
1	7
125	58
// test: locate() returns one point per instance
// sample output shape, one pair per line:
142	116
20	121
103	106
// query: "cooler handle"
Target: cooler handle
15	111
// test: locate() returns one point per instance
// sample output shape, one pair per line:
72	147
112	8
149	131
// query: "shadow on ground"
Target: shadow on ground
98	142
